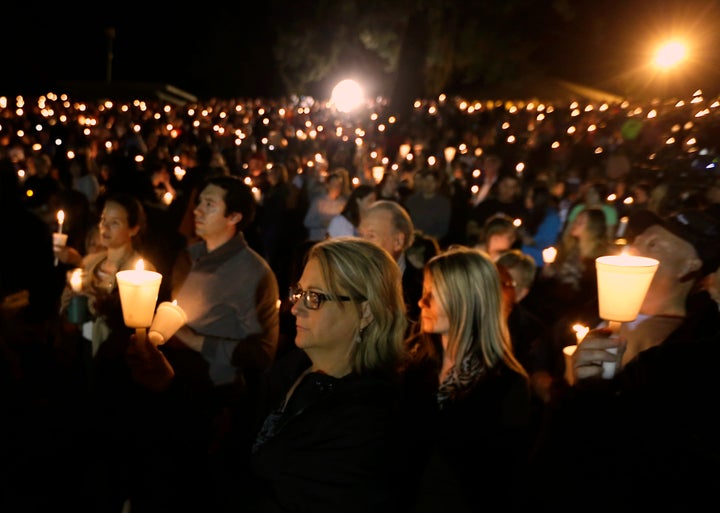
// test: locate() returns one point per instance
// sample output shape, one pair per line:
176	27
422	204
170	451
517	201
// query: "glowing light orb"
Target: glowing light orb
347	95
670	54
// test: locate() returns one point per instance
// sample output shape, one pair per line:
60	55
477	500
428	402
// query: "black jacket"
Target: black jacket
331	448
646	440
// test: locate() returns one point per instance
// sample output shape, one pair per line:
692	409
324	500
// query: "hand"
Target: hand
148	365
596	348
68	255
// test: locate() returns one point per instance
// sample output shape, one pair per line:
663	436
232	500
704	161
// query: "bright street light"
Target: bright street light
347	95
670	54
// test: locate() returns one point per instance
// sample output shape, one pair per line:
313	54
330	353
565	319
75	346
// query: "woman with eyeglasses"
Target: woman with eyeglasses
328	444
479	432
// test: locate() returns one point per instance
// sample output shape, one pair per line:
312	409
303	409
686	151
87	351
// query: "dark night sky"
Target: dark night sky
226	51
214	53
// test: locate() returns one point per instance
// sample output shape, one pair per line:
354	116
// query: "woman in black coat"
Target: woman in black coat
329	444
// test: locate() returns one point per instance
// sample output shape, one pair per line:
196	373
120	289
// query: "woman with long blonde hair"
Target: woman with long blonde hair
479	430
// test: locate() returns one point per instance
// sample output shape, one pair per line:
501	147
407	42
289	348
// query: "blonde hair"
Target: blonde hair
467	285
367	273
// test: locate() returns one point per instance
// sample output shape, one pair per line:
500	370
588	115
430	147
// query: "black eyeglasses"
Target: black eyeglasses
311	299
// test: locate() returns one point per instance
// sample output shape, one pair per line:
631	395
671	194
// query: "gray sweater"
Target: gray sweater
230	296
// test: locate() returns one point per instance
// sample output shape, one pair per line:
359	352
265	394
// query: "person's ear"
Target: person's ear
235	217
398	241
366	315
689	268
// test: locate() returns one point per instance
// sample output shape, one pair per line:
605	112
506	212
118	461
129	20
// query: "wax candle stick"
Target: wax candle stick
59	238
623	282
168	319
568	352
138	294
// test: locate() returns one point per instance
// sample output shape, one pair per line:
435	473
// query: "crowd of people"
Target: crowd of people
376	306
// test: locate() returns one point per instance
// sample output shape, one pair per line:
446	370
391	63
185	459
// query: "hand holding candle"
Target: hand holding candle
623	281
138	294
77	309
168	319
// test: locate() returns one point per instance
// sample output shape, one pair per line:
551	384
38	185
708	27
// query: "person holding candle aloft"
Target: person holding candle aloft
542	225
122	222
119	413
230	296
566	289
648	434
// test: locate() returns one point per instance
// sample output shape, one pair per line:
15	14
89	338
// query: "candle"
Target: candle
378	172
549	255
138	294
623	281
59	241
622	227
257	194
449	153
568	352
60	220
168	319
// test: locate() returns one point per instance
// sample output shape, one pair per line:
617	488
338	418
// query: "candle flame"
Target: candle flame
549	254
61	216
76	280
140	265
580	331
